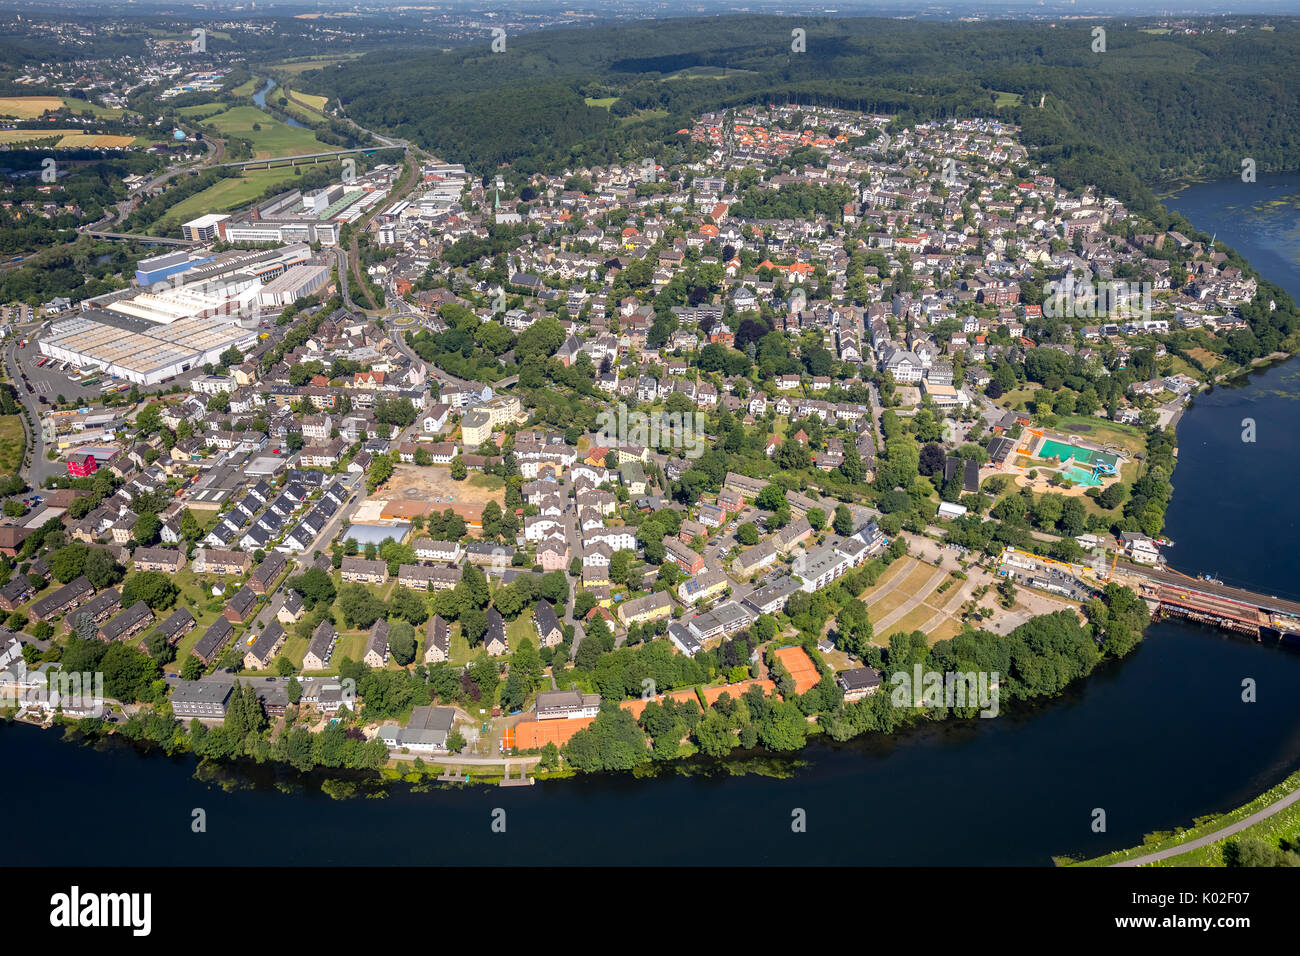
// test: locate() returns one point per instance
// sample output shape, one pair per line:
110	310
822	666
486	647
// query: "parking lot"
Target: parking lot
48	383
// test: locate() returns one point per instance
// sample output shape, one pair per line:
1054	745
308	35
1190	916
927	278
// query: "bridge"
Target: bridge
128	237
1233	609
314	157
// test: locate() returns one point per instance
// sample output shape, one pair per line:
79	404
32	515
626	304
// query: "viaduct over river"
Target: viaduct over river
1174	594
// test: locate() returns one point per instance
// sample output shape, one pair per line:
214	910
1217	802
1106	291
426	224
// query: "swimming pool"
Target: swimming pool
1084	456
1080	476
1079	464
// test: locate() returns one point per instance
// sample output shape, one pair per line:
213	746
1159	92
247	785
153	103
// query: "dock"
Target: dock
523	780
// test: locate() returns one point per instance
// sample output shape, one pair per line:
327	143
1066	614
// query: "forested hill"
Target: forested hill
1160	108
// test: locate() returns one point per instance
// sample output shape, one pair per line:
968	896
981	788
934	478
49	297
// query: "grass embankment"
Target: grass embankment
1284	825
227	195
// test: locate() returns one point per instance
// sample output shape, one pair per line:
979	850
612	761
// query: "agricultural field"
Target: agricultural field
248	87
271	138
28	107
313	100
605	102
296	67
8	136
32	107
94	139
296	109
68	138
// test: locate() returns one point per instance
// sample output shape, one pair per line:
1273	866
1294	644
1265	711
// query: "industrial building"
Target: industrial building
296	283
159	268
205	228
139	351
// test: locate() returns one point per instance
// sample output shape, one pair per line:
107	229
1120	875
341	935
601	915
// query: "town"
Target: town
672	455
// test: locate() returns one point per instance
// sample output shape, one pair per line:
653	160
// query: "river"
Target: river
1153	740
260	99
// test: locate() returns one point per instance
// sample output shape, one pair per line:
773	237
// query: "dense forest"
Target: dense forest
1149	110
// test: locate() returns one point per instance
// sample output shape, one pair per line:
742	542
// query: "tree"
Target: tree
458	470
401	642
101	569
315	586
69	561
381	469
612	741
843	523
359	607
747	534
190	528
473	625
192	669
771	497
146	528
409	606
155	588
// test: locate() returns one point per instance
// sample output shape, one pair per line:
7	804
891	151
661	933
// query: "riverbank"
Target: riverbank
1272	818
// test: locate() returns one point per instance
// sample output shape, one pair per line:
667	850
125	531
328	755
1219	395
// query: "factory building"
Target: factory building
139	351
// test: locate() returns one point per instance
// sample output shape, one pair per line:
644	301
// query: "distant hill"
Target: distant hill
1150	110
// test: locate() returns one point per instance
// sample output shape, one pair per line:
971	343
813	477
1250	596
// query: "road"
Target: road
36	467
351	482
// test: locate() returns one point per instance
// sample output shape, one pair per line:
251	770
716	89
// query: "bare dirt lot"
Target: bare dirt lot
435	484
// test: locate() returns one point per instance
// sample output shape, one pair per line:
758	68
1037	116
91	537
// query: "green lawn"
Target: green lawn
605	101
228	194
12	442
491	482
520	628
201	110
642	115
75	105
1102	431
459	653
272	138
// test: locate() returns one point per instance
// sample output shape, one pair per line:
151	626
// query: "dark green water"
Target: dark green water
1154	741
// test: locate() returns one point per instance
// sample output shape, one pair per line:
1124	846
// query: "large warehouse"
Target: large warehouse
139	351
